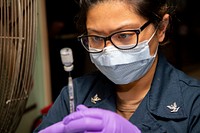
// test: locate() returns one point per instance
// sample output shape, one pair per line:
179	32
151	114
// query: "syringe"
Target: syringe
67	60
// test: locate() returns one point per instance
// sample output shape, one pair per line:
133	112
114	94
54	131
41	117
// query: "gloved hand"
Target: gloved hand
92	120
59	127
87	120
55	128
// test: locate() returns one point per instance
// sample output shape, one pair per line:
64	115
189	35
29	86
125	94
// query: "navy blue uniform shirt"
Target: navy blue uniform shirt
172	104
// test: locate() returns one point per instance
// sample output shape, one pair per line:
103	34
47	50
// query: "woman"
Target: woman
136	88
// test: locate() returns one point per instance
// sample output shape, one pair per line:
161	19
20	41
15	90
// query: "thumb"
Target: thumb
74	115
81	107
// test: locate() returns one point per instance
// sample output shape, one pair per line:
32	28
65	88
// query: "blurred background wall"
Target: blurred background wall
57	30
40	96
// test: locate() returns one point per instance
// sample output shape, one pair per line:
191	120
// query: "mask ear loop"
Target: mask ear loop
150	40
152	35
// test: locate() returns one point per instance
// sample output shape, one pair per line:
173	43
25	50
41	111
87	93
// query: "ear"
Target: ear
163	27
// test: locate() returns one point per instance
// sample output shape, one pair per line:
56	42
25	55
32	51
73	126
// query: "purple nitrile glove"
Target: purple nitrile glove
55	128
93	120
59	126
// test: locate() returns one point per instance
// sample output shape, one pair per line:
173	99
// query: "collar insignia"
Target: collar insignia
95	99
173	107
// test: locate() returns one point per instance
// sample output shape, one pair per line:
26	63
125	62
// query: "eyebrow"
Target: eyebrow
123	27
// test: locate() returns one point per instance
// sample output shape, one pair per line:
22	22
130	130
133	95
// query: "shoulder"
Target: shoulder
171	76
175	88
190	89
174	85
89	78
89	81
90	84
187	81
189	86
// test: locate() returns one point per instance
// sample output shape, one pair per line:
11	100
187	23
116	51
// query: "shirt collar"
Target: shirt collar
165	96
102	95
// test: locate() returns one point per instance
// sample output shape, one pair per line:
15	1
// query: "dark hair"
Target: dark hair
152	10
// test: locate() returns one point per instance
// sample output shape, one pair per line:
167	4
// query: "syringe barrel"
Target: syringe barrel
71	94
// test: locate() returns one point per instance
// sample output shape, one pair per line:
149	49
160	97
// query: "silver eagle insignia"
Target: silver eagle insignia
173	107
95	99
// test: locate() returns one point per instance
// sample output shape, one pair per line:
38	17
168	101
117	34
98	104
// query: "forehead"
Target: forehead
111	15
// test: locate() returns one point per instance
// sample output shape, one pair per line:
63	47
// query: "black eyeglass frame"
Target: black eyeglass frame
108	38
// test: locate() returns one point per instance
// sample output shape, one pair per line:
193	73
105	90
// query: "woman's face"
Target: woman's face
111	16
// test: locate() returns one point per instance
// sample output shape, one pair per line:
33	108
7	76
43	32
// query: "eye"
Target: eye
97	39
125	35
124	38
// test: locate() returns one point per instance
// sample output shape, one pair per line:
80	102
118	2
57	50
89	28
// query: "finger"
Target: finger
85	124
93	113
81	107
55	128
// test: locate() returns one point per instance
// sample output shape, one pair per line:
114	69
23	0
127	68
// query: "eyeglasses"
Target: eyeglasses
124	40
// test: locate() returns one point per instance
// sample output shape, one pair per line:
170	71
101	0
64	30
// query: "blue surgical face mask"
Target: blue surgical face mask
124	66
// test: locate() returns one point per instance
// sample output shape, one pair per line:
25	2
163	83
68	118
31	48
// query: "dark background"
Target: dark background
182	52
62	33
